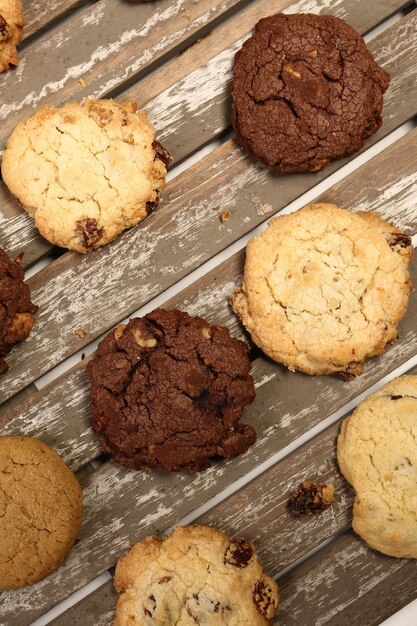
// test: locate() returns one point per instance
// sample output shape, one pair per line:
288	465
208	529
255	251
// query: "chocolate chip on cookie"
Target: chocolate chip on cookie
306	91
199	584
168	390
11	28
40	511
16	308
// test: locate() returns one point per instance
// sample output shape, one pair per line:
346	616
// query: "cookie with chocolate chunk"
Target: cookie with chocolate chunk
196	575
16	308
85	172
168	390
11	28
306	91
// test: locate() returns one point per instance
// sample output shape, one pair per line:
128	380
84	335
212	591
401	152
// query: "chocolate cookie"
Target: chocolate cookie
168	390
306	91
16	309
196	575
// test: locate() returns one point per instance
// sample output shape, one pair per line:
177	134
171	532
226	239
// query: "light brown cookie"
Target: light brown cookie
85	172
11	27
325	288
196	575
377	454
40	511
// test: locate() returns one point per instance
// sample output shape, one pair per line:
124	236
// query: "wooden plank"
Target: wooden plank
192	122
113	496
258	512
191	215
286	406
60	410
39	15
346	583
116	41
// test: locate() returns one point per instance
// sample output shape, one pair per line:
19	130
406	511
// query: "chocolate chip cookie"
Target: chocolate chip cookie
377	454
306	91
196	575
40	511
85	172
16	308
168	390
324	288
11	28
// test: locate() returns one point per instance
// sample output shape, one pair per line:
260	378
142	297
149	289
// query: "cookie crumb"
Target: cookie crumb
80	332
82	82
311	498
225	216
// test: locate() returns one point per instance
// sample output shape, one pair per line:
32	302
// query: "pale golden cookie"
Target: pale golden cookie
196	575
325	288
40	511
85	172
11	27
377	454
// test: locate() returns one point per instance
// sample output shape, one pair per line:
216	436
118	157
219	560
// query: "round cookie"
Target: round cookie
196	575
40	511
377	454
16	308
168	390
325	288
85	172
306	91
11	28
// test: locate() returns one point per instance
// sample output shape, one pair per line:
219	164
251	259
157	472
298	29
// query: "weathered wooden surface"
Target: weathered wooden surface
134	38
258	512
113	497
186	122
346	584
287	405
38	15
169	247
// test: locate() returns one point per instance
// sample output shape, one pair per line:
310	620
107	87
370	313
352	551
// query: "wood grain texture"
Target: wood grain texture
346	584
286	406
258	513
169	247
115	41
38	15
183	120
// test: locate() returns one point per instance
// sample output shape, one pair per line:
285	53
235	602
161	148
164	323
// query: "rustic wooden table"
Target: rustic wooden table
174	58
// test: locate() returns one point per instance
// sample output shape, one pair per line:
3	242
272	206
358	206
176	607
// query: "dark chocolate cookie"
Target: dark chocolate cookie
16	309
306	91
168	390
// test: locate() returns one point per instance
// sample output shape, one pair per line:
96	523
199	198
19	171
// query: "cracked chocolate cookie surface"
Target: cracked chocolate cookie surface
377	454
306	91
325	288
11	28
168	390
85	172
40	511
16	308
196	575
